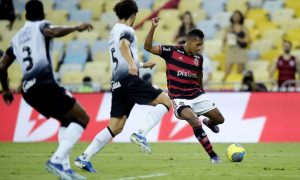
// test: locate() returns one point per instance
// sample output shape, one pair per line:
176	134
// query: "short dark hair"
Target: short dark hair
125	8
242	18
289	42
196	33
34	10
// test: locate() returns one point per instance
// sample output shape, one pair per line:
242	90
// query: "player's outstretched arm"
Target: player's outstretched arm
149	40
59	31
5	62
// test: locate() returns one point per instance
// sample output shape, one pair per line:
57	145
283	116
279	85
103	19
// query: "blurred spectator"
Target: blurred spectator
237	39
207	69
186	26
286	64
1	53
7	12
249	84
87	86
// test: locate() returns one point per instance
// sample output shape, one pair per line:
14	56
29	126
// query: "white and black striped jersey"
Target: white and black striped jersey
119	63
33	51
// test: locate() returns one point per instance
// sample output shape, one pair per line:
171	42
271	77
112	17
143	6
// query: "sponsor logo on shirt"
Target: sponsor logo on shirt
186	74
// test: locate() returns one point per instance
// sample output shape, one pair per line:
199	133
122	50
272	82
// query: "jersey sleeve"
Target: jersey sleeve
166	51
10	52
127	34
44	25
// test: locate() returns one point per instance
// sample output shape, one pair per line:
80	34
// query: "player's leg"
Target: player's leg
185	112
99	142
214	118
161	104
142	92
120	110
202	105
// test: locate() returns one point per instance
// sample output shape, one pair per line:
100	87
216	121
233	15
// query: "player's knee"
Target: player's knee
221	120
117	130
166	101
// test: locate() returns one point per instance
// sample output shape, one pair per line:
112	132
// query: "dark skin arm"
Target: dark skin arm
149	40
5	62
65	30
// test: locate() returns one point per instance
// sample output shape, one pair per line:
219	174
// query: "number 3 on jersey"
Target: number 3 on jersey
28	59
114	59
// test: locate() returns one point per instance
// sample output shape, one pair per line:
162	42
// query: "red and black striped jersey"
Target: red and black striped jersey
287	69
184	72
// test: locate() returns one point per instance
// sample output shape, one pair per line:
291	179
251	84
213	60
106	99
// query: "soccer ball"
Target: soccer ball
236	152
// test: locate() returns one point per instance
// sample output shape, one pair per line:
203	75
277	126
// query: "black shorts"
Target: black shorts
50	100
132	90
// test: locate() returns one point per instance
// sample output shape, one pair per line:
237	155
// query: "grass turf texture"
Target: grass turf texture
168	161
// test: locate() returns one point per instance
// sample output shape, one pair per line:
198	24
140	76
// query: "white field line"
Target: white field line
144	176
168	154
248	175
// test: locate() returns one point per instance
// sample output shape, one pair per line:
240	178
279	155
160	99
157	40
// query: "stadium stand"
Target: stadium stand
79	55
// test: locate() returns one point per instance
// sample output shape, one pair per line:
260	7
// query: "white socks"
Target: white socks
152	118
99	141
71	135
66	161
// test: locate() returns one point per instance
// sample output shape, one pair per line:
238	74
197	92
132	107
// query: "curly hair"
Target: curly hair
124	9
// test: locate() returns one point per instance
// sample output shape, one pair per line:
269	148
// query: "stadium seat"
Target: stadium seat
102	56
73	77
209	27
255	3
189	5
158	4
169	19
272	6
258	65
142	15
262	45
253	54
99	45
213	47
233	5
109	5
109	18
160	63
142	4
222	19
90	37
81	16
289	24
270	55
95	6
213	7
58	17
199	15
275	35
159	79
64	68
76	52
257	15
69	5
282	15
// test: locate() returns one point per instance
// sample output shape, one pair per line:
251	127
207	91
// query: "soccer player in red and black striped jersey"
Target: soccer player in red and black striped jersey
184	76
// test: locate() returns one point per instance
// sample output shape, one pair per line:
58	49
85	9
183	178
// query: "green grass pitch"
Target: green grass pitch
123	161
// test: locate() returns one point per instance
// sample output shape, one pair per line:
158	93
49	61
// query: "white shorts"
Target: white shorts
200	105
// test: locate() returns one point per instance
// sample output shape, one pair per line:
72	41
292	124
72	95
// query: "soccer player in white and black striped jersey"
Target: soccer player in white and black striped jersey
127	87
32	47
